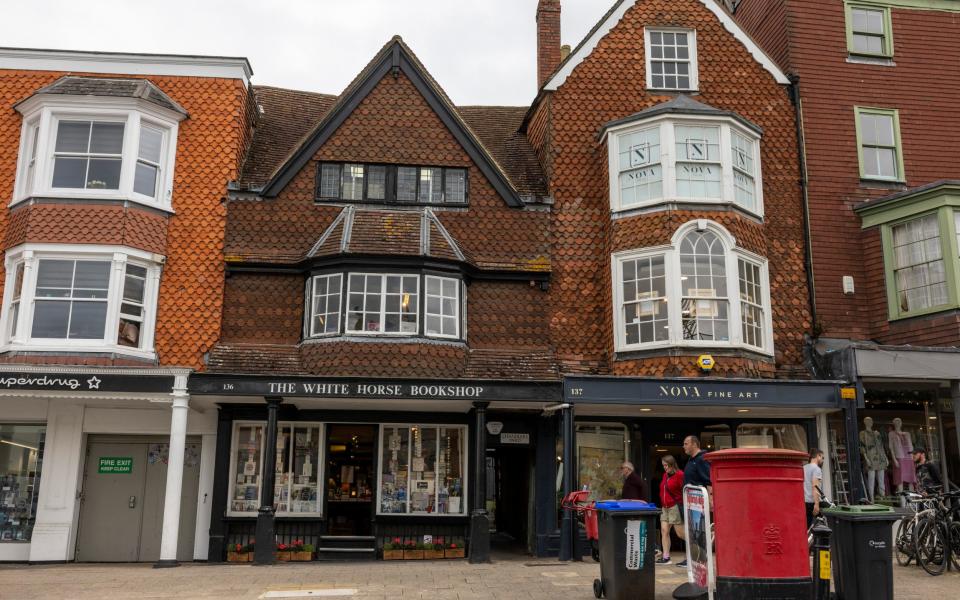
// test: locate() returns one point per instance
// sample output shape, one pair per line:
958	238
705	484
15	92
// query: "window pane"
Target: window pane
50	319
87	320
456	186
145	180
442	309
669	54
376	182
644	300
352	182
919	269
55	274
246	481
430	185
92	275
128	333
69	172
133	288
104	174
73	136
704	306
21	457
151	141
751	303
394	476
107	138
329	181
406	184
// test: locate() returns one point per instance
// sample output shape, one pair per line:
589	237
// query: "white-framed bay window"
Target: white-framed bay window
298	480
685	159
423	470
699	291
403	304
102	148
80	298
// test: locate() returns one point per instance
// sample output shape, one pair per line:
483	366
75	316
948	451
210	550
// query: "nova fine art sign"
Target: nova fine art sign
115	464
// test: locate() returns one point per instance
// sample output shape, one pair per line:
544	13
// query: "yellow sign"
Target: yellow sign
848	393
705	362
824	564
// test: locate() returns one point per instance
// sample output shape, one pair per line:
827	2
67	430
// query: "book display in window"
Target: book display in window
246	495
393	479
422	470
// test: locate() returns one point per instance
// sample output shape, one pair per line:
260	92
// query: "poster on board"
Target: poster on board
697	526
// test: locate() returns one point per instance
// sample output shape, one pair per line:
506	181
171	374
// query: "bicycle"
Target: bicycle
904	540
937	534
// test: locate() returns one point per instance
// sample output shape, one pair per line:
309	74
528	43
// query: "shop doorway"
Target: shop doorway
121	510
509	475
350	475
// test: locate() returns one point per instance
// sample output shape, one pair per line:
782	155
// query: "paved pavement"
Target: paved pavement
514	578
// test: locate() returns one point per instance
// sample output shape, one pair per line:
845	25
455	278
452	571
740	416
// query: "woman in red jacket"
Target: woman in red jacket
671	494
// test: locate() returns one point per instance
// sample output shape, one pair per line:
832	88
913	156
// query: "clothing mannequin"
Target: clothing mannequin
874	459
901	449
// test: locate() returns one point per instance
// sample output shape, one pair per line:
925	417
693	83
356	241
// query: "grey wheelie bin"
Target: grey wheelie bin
862	548
628	535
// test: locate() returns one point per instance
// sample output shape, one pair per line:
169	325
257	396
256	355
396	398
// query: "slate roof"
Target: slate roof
387	232
684	105
70	85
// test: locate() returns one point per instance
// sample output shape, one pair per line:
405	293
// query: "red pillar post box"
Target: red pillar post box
760	524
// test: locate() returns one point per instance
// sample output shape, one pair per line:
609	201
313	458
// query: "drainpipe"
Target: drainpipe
794	91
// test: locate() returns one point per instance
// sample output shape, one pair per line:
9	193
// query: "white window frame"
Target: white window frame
458	286
464	468
321	467
671	255
692	37
30	255
311	304
669	160
383	305
48	112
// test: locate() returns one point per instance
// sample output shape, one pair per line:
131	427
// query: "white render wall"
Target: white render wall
69	421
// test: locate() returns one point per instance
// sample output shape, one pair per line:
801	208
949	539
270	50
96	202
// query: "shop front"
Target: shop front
86	468
609	420
363	469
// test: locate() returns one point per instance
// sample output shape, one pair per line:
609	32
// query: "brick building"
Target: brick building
112	168
879	105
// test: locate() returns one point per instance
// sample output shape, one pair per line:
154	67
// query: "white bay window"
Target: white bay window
109	149
80	298
682	294
674	159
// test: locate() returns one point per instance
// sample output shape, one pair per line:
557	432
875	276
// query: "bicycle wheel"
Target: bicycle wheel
955	544
932	546
904	542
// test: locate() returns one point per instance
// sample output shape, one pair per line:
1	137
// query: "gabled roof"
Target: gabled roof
616	12
70	85
681	105
395	56
378	232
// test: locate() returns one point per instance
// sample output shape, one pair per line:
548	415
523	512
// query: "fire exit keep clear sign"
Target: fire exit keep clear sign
115	464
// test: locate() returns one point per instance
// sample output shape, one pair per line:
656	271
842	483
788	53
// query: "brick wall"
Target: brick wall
609	85
924	84
548	38
208	154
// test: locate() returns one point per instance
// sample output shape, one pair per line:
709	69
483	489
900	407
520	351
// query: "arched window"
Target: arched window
702	290
705	309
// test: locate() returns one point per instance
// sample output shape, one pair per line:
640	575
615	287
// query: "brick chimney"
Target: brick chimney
548	39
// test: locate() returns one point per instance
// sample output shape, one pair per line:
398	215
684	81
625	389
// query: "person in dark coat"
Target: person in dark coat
632	483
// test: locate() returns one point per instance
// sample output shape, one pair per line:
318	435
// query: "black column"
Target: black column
479	521
217	550
857	491
568	528
264	546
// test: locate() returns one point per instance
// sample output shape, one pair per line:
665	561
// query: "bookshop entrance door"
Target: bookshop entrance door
350	479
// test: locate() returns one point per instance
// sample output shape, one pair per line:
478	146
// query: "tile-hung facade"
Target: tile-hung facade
670	145
387	267
112	287
884	213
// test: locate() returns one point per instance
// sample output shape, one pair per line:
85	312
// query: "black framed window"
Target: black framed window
391	184
363	303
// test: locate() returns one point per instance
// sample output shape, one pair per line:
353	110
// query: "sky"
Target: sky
480	51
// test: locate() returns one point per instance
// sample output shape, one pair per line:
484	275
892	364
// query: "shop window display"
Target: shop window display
297	468
772	435
21	455
422	470
601	449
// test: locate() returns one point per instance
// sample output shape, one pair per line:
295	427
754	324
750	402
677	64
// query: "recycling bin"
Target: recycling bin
628	534
862	546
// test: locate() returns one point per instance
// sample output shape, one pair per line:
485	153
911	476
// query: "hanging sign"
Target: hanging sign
115	464
696	525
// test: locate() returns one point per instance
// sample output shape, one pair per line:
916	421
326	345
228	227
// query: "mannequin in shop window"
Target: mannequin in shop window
904	473
874	459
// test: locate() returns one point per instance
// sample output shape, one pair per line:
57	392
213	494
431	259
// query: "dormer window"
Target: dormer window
391	184
663	156
87	138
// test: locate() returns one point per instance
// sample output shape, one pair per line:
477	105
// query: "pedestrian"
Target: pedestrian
812	482
696	471
632	483
928	475
671	499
